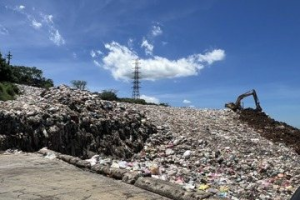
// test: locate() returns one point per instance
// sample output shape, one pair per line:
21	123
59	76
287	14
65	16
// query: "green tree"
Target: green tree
5	70
30	76
23	75
78	84
110	95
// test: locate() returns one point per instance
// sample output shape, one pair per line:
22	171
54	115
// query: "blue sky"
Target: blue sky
198	53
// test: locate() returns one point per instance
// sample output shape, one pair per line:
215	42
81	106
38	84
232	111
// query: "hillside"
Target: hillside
226	154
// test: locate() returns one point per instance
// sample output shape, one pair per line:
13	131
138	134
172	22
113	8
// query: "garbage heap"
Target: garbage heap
206	150
73	122
214	151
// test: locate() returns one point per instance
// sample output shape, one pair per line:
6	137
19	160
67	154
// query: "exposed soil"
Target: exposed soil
272	129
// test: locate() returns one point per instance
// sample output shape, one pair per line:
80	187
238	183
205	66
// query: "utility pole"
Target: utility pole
136	81
9	56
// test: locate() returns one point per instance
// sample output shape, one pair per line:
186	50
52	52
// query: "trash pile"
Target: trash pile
73	122
207	150
213	151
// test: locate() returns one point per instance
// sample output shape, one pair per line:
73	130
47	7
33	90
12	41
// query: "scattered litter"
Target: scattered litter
94	160
12	151
50	156
203	187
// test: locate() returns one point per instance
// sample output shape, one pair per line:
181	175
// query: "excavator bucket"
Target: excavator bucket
231	106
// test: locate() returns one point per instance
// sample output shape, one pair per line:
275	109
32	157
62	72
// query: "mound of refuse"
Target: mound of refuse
214	151
271	129
73	122
220	153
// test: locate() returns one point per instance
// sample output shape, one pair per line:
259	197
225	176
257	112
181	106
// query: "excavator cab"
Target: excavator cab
237	105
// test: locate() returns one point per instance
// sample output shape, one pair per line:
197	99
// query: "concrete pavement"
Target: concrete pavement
30	176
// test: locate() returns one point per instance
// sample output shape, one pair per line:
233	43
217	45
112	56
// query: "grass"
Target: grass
8	91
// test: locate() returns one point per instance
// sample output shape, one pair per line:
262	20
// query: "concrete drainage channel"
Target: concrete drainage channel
157	186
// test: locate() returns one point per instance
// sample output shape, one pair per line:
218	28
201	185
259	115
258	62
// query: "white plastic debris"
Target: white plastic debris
94	160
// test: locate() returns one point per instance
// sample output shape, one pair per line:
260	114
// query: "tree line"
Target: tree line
23	75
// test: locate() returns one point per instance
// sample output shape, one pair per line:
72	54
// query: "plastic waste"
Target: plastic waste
203	187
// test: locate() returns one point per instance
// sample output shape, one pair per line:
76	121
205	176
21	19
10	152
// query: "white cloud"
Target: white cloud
164	43
212	56
56	37
93	53
21	7
148	47
186	101
97	63
39	20
35	24
130	43
156	31
32	21
48	18
119	61
150	99
3	30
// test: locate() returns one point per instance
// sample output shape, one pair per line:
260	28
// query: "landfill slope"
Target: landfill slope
209	151
271	129
217	151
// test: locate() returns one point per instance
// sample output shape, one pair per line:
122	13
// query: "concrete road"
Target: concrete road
33	177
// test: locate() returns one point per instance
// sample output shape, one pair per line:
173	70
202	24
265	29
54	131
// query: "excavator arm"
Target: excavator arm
237	105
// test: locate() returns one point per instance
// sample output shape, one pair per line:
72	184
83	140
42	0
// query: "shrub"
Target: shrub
8	91
109	95
130	100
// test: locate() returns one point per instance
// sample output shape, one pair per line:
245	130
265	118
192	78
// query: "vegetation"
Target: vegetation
5	70
164	104
8	91
23	75
111	95
30	76
20	75
137	101
78	84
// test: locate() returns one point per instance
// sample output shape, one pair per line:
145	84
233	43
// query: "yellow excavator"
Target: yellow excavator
237	105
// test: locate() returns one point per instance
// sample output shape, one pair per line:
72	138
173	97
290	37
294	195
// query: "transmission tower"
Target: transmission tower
9	58
136	81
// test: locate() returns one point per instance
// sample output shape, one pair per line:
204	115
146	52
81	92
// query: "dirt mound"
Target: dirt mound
272	129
